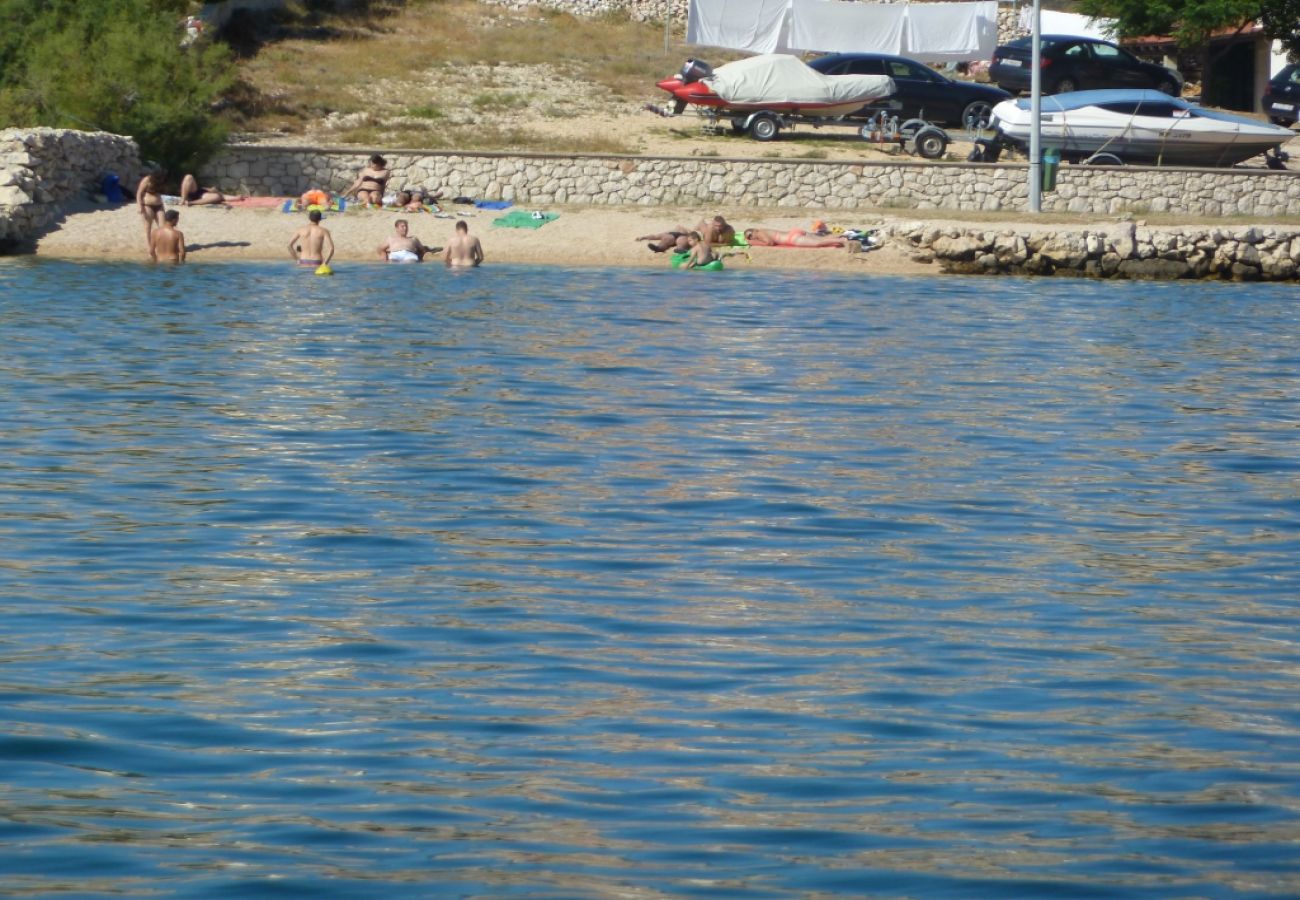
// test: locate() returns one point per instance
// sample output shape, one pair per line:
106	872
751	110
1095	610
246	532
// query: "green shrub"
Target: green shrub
116	65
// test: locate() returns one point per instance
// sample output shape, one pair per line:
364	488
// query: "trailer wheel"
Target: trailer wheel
764	127
930	143
1102	159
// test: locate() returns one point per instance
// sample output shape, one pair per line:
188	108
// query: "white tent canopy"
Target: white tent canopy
930	32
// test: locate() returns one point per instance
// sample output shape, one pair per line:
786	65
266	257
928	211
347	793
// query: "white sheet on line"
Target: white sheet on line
930	32
753	25
830	26
946	32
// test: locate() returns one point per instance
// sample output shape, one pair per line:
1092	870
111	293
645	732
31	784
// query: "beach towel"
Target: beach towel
493	204
521	219
295	206
256	202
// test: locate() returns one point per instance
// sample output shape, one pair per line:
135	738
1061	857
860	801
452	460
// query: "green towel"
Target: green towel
521	219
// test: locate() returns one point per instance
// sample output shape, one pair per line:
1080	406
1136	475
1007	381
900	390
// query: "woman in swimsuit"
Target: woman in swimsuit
369	186
193	195
795	237
148	196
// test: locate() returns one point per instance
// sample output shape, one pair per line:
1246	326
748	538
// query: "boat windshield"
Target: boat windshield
1139	108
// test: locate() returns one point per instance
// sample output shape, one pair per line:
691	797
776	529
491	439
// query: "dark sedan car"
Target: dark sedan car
921	92
1071	63
1282	96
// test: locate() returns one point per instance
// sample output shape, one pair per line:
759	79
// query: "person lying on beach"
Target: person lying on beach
401	247
675	239
795	237
312	245
148	196
716	231
463	249
369	186
414	199
193	195
168	243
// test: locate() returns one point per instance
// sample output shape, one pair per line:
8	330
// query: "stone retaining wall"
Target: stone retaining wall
1126	250
44	169
538	180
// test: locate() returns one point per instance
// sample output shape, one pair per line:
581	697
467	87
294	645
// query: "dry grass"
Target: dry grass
451	73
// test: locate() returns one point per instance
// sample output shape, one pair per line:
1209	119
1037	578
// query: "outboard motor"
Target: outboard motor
694	70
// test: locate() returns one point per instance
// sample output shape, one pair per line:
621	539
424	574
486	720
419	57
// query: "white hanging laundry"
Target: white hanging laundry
830	26
947	32
753	25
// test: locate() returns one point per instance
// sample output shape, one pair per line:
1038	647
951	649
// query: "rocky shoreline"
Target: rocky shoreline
1128	250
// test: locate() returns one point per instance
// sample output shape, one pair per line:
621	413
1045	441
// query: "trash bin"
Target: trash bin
1051	163
111	188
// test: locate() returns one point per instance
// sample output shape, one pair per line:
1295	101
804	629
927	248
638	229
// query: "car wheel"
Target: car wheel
1065	86
1168	86
764	127
977	115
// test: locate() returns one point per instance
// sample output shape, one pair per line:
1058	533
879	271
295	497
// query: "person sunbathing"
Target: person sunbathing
716	231
369	186
795	237
676	240
192	194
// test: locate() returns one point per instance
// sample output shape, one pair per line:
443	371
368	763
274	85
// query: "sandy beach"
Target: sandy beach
591	236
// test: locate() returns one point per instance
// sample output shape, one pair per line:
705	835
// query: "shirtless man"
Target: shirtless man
148	196
167	242
311	245
675	239
401	247
716	231
463	250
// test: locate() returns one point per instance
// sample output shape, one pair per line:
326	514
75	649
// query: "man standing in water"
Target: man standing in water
463	250
167	242
311	245
402	246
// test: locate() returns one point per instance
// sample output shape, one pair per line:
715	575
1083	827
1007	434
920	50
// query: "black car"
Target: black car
1072	63
921	92
1282	96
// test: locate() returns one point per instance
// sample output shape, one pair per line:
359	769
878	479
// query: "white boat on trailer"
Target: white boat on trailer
1137	126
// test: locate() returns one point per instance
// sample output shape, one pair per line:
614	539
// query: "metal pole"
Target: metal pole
1035	112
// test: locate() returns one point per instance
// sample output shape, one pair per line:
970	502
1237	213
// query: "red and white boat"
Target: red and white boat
771	87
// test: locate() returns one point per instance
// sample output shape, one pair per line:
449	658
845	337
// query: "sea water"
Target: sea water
585	583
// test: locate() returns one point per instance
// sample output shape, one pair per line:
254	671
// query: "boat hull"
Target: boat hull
1139	127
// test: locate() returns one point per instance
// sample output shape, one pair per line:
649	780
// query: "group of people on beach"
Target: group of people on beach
311	245
371	189
697	244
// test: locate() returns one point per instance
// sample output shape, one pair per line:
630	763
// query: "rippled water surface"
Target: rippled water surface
579	583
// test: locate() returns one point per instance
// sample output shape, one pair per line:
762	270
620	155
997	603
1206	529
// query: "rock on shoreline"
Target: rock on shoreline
1128	250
